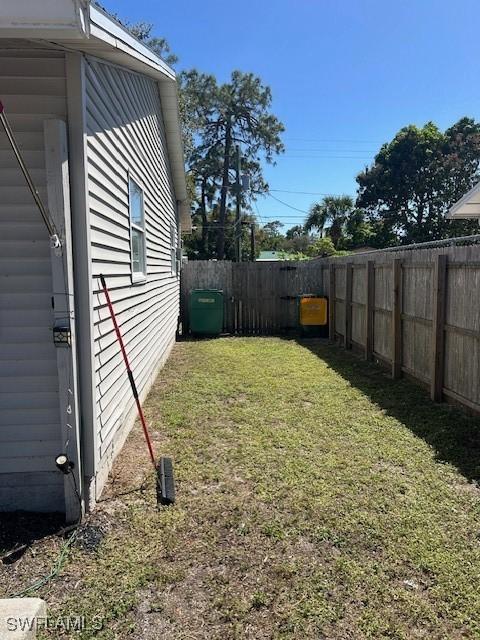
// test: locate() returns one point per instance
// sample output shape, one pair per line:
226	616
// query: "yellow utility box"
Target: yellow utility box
313	315
313	311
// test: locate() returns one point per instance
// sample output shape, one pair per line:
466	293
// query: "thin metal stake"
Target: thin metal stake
54	237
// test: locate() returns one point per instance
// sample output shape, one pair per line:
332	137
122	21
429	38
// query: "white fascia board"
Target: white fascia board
52	19
468	207
128	51
173	133
106	29
184	217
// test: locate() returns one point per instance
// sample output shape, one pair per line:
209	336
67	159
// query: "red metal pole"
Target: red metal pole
129	371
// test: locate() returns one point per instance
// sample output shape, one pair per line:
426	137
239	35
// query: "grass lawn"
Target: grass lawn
316	498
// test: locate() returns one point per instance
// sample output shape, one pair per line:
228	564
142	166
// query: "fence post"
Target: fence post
397	319
331	305
438	326
370	310
348	305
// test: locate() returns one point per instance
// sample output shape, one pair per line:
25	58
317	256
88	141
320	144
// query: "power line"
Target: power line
334	140
258	211
212	225
284	223
323	157
331	150
286	204
278	216
308	193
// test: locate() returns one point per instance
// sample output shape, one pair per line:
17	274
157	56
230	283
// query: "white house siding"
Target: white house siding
125	133
32	88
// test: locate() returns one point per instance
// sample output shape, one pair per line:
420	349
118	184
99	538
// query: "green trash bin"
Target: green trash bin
206	312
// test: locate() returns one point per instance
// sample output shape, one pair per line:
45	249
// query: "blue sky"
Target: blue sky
345	75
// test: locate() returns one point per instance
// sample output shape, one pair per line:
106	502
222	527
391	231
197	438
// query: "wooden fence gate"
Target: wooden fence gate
260	298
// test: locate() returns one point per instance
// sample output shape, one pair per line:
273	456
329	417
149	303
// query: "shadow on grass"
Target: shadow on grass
454	435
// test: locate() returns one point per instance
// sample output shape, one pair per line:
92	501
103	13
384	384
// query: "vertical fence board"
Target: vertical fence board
397	319
417	319
382	320
370	279
439	303
340	302
359	300
348	305
331	304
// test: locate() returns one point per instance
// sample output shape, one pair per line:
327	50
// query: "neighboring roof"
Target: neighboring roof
271	255
82	26
468	206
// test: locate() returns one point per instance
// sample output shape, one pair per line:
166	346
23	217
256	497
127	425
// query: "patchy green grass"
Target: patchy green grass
316	499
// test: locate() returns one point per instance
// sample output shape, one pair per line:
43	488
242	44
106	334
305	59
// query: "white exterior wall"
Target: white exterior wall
32	88
125	133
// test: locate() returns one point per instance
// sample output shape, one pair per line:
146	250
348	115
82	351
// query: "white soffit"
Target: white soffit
467	207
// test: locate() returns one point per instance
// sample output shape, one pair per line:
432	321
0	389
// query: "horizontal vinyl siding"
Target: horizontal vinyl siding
126	134
32	90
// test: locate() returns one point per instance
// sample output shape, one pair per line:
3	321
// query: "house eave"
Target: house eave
468	207
120	42
50	19
78	25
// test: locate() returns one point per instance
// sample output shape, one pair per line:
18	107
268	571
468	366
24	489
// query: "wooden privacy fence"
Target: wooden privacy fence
415	311
259	297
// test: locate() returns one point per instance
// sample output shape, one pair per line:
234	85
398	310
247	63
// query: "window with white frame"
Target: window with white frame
137	231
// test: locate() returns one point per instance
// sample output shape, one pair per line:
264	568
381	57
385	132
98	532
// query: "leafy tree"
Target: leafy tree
297	256
297	239
296	231
196	100
332	211
205	171
143	32
321	248
417	176
237	112
269	237
200	244
358	231
273	228
216	117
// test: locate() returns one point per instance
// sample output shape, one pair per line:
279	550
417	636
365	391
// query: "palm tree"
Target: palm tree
333	210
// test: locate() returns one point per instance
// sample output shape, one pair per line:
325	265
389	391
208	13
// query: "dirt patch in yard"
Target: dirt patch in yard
305	509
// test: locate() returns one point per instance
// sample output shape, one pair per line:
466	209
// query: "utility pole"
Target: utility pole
252	242
238	190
